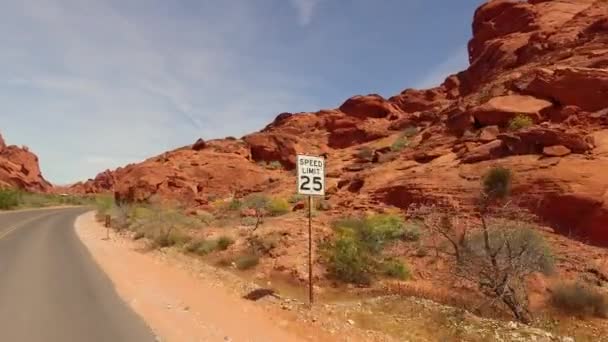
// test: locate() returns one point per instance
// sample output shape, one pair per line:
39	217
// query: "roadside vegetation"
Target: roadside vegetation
165	224
17	199
521	121
355	254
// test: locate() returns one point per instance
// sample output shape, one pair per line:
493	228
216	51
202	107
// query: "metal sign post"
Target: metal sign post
311	182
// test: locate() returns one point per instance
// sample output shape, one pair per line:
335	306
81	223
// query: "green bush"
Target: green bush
257	201
224	242
400	144
354	254
235	204
104	204
409	132
580	299
497	182
247	261
274	165
264	244
411	232
377	230
365	153
295	198
207	247
9	199
348	260
278	207
521	121
395	269
249	221
193	246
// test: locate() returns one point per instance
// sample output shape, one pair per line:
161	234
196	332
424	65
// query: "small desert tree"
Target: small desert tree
258	203
498	249
500	257
443	221
506	250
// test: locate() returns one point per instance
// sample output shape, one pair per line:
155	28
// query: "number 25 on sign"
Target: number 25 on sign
311	175
311	182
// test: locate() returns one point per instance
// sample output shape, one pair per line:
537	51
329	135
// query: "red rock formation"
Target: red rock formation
544	59
19	168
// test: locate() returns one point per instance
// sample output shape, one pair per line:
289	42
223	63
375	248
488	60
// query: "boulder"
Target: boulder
500	110
492	150
556	151
489	133
369	106
413	100
270	147
586	88
199	145
534	140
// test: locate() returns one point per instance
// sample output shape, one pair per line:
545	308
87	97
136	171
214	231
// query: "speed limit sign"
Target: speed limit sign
311	175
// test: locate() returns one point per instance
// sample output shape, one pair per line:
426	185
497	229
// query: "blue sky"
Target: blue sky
96	84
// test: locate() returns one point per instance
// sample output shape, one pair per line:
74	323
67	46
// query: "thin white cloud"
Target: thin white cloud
305	10
455	62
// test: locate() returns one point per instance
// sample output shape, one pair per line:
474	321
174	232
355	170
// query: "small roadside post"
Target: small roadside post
310	182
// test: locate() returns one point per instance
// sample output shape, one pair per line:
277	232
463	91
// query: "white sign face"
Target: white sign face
311	175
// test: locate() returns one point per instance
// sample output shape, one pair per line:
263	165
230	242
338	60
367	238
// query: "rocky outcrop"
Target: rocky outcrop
500	110
542	59
19	168
370	106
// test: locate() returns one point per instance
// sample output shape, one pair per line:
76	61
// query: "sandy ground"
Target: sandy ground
181	306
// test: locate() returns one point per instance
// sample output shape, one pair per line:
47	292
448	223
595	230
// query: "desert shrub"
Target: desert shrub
104	204
521	121
411	232
365	153
497	182
223	242
274	165
354	254
377	230
395	269
207	246
399	144
256	201
580	299
235	204
409	132
295	198
139	235
259	203
278	207
500	257
193	246
247	261
348	260
249	221
497	252
205	218
224	262
9	199
264	244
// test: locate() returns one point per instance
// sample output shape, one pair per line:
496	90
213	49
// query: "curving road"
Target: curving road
50	287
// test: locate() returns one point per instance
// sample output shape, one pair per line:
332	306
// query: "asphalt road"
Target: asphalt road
51	290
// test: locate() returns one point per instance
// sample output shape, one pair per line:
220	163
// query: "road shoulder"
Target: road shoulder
185	304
